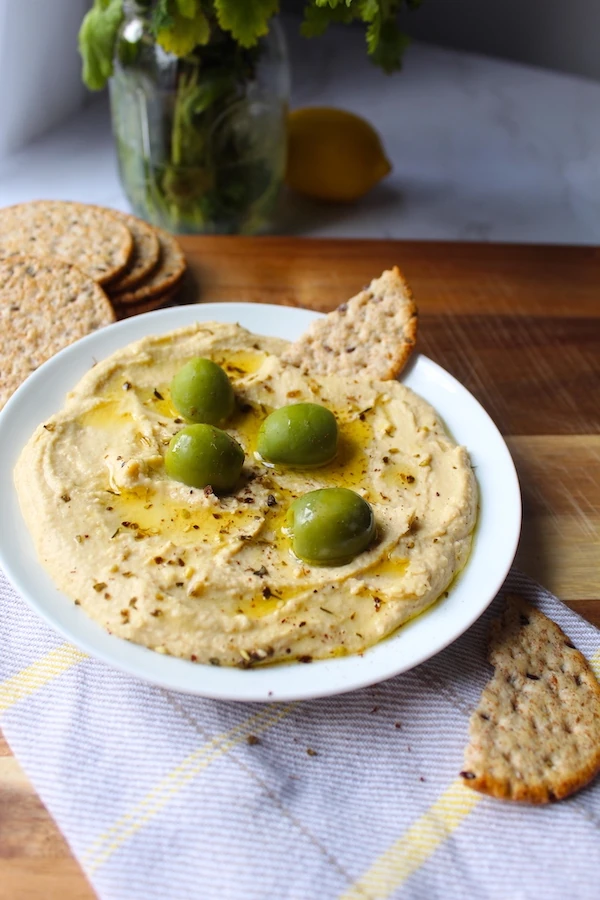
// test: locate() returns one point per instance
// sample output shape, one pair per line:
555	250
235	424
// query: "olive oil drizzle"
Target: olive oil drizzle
152	513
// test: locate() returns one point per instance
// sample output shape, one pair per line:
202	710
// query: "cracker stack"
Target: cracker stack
154	274
69	268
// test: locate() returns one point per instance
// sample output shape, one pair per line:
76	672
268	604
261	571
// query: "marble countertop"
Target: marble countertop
482	149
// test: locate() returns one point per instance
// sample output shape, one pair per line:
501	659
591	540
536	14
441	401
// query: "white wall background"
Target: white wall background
559	34
40	69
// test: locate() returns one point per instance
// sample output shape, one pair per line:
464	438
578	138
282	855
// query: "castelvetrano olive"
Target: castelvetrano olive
331	526
202	455
300	434
201	391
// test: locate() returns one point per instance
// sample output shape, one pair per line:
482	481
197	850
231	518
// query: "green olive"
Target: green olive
202	455
202	392
302	434
331	526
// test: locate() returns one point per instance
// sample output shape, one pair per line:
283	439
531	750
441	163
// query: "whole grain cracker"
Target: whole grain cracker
535	735
144	258
166	275
45	304
86	236
126	310
374	333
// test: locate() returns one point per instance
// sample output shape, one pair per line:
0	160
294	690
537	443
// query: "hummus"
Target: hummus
213	579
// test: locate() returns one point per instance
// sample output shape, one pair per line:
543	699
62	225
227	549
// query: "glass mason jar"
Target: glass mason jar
201	140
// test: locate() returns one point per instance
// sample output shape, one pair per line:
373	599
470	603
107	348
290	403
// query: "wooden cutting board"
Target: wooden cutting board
518	325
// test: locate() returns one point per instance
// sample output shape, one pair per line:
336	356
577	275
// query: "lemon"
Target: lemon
333	154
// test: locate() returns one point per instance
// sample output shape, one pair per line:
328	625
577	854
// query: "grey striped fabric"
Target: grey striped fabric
163	795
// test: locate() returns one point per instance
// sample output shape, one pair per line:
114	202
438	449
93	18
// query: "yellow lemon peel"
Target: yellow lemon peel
333	155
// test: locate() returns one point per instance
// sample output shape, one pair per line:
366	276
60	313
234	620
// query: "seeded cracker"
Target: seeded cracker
86	236
146	251
372	334
45	304
167	275
125	310
535	735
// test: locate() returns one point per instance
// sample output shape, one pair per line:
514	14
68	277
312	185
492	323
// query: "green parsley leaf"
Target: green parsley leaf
385	41
318	18
361	9
161	16
187	8
97	37
369	10
386	44
246	21
184	34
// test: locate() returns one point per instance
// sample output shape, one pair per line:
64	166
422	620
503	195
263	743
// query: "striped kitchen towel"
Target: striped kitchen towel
162	795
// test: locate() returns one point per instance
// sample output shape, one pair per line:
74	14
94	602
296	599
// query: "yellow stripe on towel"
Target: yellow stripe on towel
416	845
38	674
422	839
149	806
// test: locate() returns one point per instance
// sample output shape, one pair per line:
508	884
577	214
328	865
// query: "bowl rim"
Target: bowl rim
494	545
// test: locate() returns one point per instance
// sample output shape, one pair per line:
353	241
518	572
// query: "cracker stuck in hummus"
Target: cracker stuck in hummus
211	577
374	333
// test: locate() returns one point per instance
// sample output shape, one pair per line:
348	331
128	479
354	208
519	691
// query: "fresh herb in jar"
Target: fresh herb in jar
181	25
201	140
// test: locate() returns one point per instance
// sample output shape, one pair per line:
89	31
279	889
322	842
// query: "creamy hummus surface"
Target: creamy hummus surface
213	579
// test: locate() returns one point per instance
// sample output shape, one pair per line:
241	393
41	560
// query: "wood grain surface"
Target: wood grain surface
519	326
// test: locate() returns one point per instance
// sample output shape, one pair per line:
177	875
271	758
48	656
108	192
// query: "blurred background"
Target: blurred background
491	128
541	32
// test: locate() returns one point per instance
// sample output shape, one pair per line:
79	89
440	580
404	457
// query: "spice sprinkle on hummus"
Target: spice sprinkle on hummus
212	577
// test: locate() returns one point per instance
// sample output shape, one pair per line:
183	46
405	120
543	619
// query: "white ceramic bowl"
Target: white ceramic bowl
493	551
